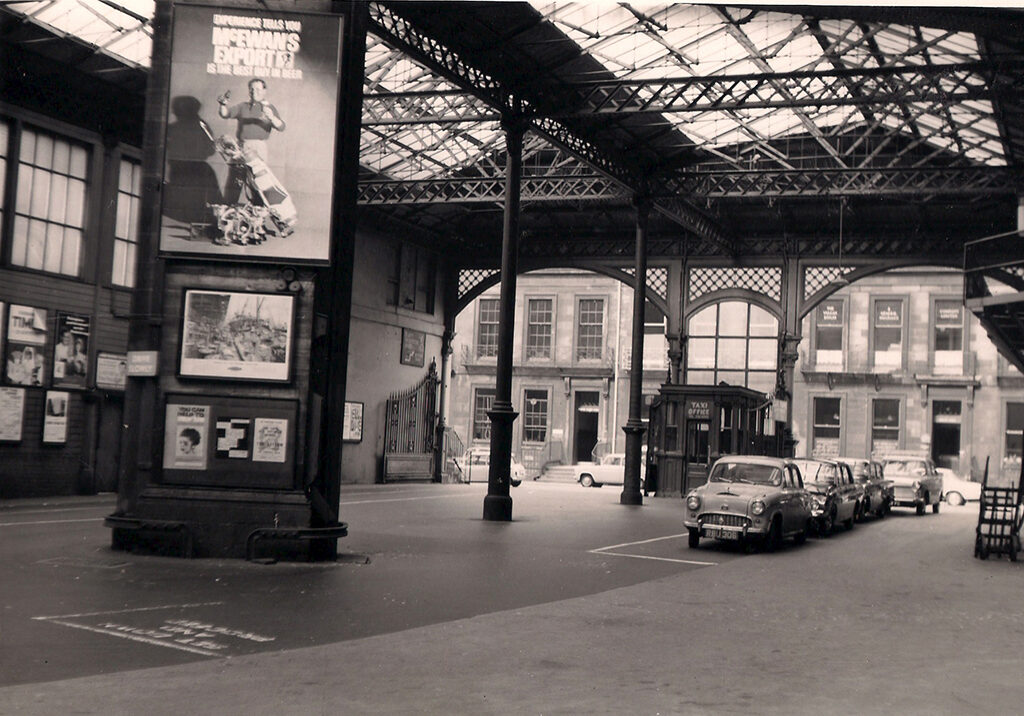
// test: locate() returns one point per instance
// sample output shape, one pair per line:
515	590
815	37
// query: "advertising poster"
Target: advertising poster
186	430
55	422
111	370
24	359
233	438
249	164
12	414
352	426
237	336
270	440
71	351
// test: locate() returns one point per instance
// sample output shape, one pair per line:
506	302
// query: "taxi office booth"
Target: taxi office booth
691	425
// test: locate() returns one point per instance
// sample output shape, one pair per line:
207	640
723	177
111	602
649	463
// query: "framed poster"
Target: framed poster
24	357
352	426
111	370
55	421
235	335
224	441
12	414
413	343
249	159
71	351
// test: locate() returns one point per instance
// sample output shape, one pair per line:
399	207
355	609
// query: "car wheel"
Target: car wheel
693	541
955	499
935	508
828	523
848	523
586	480
920	508
865	510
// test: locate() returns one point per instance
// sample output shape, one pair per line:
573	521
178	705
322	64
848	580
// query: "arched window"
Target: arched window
733	342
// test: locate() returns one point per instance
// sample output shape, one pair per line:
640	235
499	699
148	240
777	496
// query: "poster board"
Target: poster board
111	370
24	349
352	426
55	417
251	127
237	335
226	441
12	414
71	351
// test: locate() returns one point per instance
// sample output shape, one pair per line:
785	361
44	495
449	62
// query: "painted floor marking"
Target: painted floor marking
195	637
607	550
48	522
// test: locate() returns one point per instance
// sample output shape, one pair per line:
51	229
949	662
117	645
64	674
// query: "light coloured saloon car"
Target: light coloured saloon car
750	499
608	470
916	482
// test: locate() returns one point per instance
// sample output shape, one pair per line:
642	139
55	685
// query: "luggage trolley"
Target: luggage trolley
999	519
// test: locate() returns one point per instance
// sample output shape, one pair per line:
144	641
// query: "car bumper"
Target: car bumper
725	526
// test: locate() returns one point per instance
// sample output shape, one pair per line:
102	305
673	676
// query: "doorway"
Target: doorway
586	410
108	444
946	434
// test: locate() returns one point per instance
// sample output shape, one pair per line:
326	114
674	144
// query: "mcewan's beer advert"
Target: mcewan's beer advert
249	159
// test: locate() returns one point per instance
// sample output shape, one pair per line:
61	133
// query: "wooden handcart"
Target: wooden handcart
999	519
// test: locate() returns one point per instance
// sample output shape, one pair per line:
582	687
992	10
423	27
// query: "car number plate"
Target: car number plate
722	534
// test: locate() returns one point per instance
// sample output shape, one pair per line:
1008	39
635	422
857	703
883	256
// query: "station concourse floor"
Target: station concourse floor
578	606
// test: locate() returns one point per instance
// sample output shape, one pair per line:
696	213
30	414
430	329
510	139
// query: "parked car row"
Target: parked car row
761	501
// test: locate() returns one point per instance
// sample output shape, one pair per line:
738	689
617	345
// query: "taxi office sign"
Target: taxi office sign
698	409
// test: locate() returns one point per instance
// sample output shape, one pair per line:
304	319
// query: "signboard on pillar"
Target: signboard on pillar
250	143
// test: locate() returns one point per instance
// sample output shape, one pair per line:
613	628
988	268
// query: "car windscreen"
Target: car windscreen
745	472
906	467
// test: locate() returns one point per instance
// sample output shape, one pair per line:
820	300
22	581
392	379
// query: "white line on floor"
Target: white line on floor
135	609
658	559
48	522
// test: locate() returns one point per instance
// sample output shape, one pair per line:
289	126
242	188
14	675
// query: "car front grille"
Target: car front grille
719	520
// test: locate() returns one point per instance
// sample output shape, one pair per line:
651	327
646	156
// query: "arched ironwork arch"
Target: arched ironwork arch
473	282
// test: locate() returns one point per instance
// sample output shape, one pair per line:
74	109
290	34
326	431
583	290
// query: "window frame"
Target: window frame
717	371
577	326
18	124
484	434
812	425
904	331
478	323
1004	453
844	327
901	426
526	413
132	158
552	325
933	323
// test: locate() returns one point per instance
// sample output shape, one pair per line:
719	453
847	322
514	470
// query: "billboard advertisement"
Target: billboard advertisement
249	159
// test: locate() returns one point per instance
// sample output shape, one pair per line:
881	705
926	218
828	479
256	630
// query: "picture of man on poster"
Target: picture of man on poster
257	118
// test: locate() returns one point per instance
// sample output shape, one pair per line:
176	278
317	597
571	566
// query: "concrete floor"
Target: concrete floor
579	605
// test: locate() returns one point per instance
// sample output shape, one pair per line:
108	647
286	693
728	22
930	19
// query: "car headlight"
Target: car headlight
757	507
693	502
817	503
916	485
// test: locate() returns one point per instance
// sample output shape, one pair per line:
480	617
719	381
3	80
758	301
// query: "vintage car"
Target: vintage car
956	490
878	492
475	466
608	470
916	482
835	496
750	499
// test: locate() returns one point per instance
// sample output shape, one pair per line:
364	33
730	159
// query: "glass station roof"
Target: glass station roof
643	44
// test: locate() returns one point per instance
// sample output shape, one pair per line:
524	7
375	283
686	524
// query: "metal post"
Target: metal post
634	427
498	503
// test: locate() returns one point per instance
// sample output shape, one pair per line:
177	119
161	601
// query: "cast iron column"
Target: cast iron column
498	503
634	427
